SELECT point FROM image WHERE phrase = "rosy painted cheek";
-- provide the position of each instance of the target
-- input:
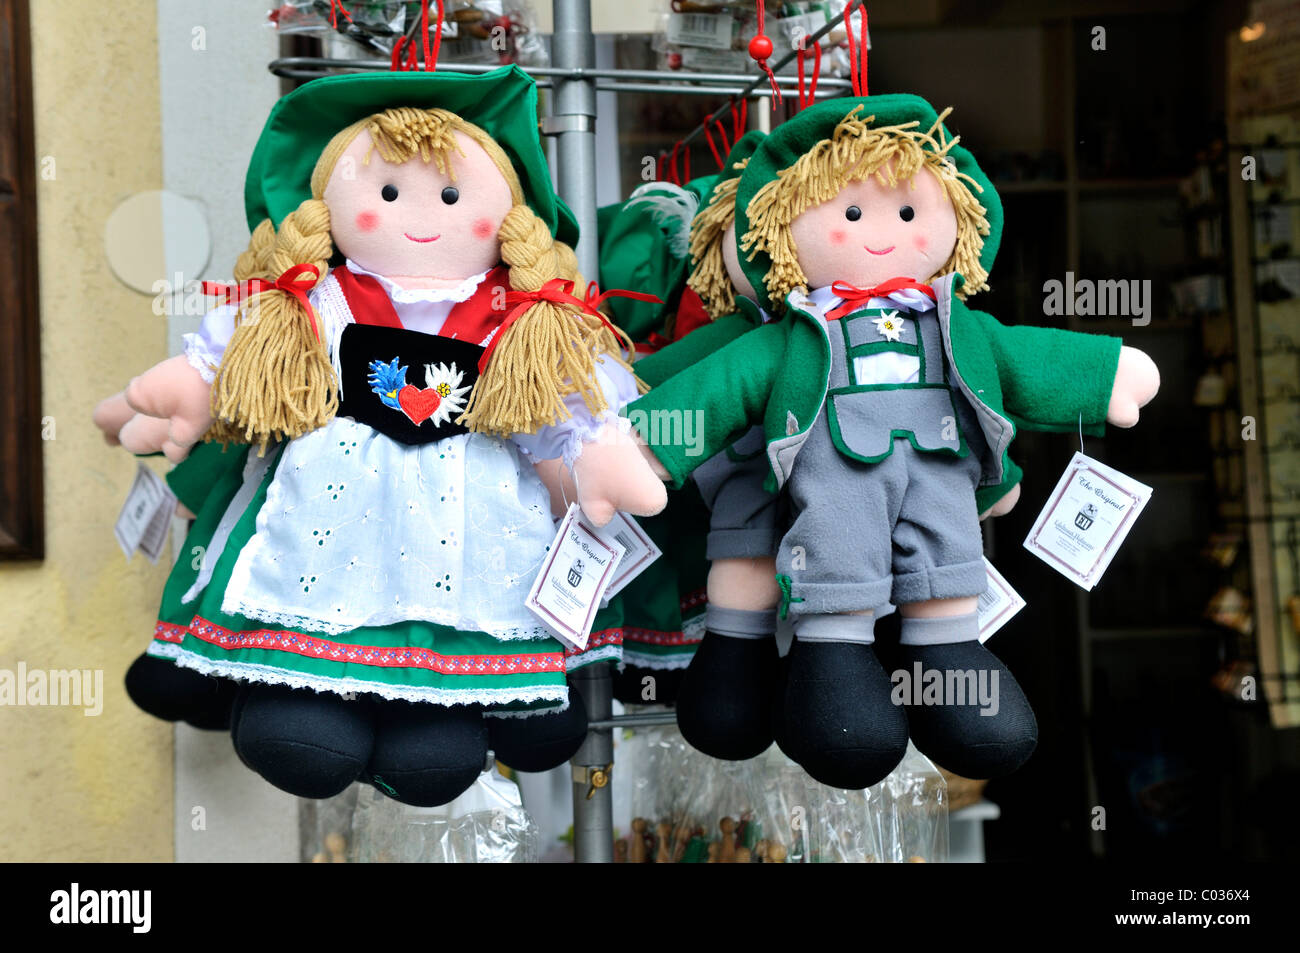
(921, 243)
(837, 237)
(483, 229)
(367, 221)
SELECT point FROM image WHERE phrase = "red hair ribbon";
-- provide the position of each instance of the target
(855, 298)
(807, 100)
(291, 283)
(557, 291)
(857, 70)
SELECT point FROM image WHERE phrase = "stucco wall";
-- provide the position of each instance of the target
(77, 787)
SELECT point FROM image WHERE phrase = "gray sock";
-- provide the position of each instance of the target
(942, 630)
(836, 627)
(741, 623)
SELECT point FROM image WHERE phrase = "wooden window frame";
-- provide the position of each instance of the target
(22, 522)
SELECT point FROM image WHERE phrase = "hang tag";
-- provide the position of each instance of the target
(639, 552)
(146, 515)
(997, 604)
(578, 569)
(1086, 519)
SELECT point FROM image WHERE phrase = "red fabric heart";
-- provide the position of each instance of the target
(417, 404)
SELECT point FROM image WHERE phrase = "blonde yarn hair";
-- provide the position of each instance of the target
(709, 278)
(853, 152)
(275, 380)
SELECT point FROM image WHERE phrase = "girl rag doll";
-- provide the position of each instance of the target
(402, 347)
(887, 405)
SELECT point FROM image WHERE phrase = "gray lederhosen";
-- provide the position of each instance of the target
(742, 515)
(838, 551)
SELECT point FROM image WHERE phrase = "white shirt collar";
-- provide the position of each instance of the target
(461, 292)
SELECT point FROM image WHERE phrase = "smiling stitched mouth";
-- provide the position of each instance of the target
(421, 240)
(874, 252)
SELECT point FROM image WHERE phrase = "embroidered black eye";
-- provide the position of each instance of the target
(450, 194)
(907, 213)
(388, 193)
(853, 213)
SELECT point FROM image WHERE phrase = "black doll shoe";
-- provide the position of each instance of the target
(841, 725)
(539, 742)
(958, 736)
(311, 744)
(724, 707)
(165, 690)
(635, 685)
(425, 754)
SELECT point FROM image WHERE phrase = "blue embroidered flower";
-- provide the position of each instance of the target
(386, 380)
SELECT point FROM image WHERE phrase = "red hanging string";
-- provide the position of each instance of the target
(405, 56)
(661, 168)
(686, 164)
(336, 7)
(760, 49)
(807, 100)
(738, 118)
(708, 137)
(857, 70)
(673, 177)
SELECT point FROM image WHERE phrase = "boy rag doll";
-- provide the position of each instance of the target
(887, 406)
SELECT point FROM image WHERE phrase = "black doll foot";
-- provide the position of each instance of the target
(165, 690)
(311, 744)
(990, 732)
(841, 725)
(636, 685)
(539, 742)
(724, 707)
(425, 754)
(780, 733)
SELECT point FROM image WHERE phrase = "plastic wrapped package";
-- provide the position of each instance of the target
(705, 36)
(485, 825)
(325, 827)
(904, 818)
(474, 31)
(689, 808)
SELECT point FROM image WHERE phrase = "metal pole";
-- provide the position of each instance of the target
(573, 120)
(593, 806)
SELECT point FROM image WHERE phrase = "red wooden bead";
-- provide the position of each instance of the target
(760, 48)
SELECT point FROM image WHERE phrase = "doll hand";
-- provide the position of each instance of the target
(1005, 505)
(111, 415)
(114, 416)
(612, 475)
(176, 393)
(1136, 381)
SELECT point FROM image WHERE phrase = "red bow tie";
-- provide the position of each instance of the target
(856, 298)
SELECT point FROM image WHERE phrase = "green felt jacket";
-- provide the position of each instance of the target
(778, 375)
(656, 368)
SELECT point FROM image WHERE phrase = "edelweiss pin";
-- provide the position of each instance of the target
(889, 325)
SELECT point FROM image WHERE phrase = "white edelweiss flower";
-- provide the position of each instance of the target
(446, 381)
(890, 325)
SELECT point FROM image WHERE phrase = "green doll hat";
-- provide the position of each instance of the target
(798, 134)
(502, 102)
